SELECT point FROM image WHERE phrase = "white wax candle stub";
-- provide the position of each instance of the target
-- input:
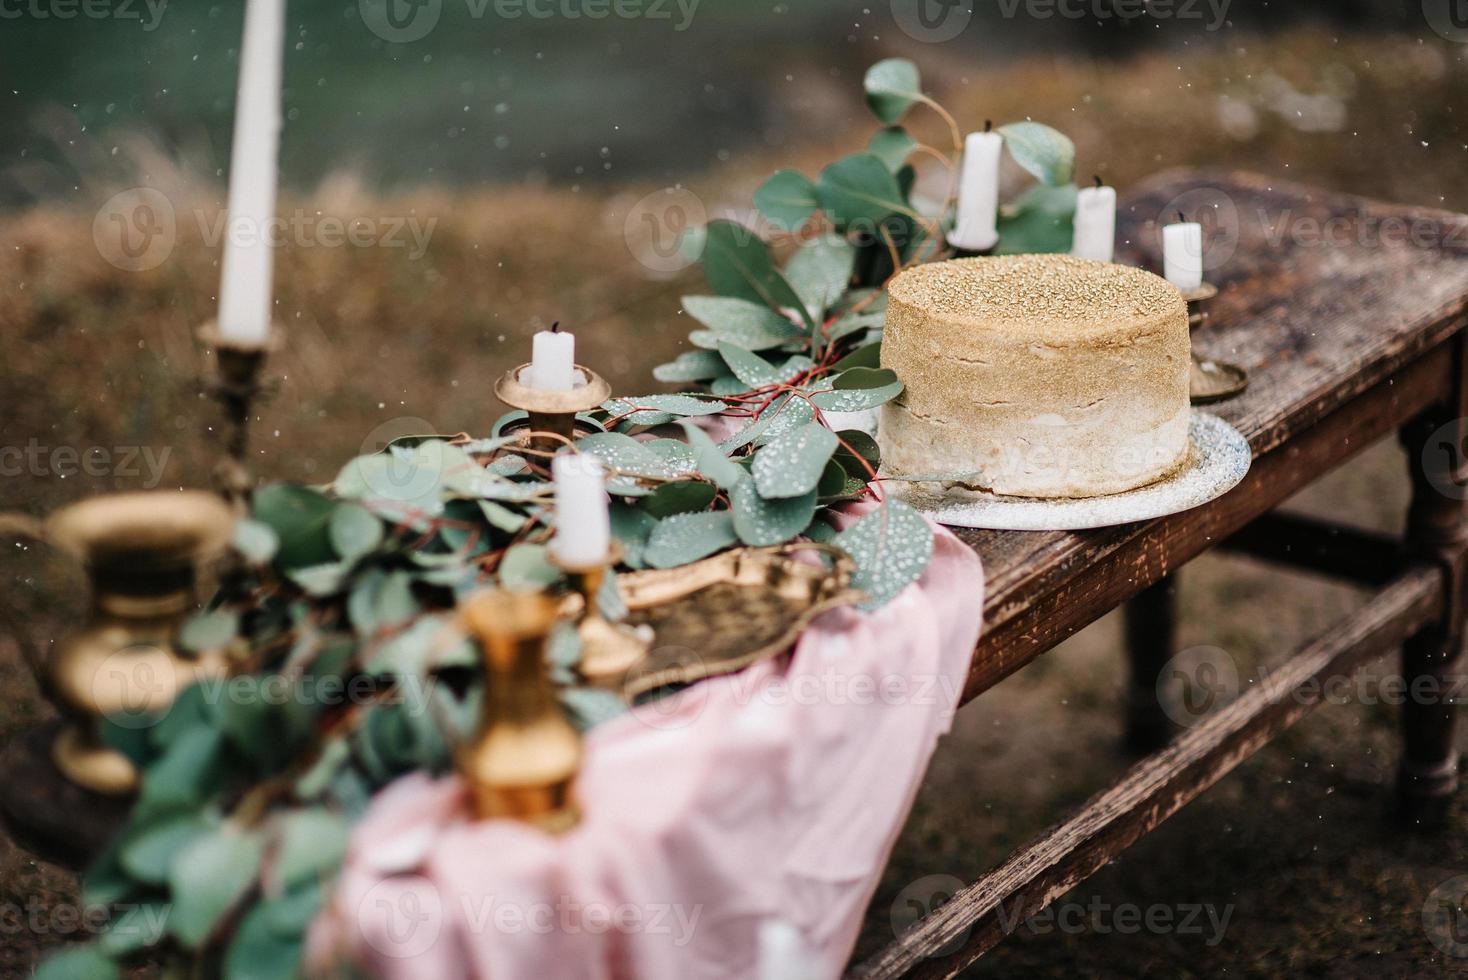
(1182, 255)
(1095, 224)
(553, 361)
(976, 228)
(583, 520)
(245, 288)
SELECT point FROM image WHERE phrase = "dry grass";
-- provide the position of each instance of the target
(100, 357)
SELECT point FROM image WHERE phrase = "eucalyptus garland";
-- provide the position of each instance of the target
(349, 672)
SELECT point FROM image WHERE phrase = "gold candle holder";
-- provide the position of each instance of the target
(142, 552)
(236, 385)
(552, 421)
(1210, 381)
(522, 764)
(609, 651)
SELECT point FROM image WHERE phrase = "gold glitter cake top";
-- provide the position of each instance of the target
(1051, 296)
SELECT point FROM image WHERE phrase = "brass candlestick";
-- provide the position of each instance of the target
(522, 765)
(142, 552)
(552, 413)
(235, 386)
(1210, 381)
(608, 650)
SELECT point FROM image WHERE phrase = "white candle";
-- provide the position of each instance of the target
(583, 524)
(1182, 255)
(976, 229)
(1095, 224)
(245, 297)
(553, 361)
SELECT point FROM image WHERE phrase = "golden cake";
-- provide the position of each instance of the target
(1036, 376)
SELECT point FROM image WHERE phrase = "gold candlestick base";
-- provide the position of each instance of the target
(1210, 381)
(142, 552)
(236, 385)
(523, 763)
(609, 651)
(552, 421)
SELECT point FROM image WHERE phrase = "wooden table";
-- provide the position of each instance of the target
(1348, 315)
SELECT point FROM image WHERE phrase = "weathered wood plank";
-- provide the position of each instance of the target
(981, 915)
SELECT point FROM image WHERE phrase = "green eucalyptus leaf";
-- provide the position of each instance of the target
(859, 454)
(679, 498)
(632, 526)
(289, 916)
(710, 459)
(675, 454)
(790, 465)
(859, 389)
(255, 541)
(892, 86)
(834, 481)
(891, 547)
(185, 775)
(744, 324)
(312, 845)
(727, 385)
(208, 631)
(258, 952)
(686, 538)
(760, 522)
(1042, 219)
(587, 707)
(211, 874)
(299, 517)
(860, 191)
(788, 411)
(139, 926)
(624, 453)
(322, 580)
(820, 271)
(405, 477)
(867, 356)
(77, 963)
(693, 365)
(1044, 152)
(850, 323)
(502, 518)
(335, 754)
(787, 199)
(892, 146)
(354, 531)
(658, 409)
(148, 848)
(750, 368)
(528, 566)
(736, 262)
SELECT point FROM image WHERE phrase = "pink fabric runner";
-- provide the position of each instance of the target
(777, 792)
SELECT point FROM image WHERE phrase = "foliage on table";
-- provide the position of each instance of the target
(350, 671)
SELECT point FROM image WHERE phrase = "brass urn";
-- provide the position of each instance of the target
(142, 552)
(523, 762)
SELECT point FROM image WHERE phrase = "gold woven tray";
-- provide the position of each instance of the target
(724, 613)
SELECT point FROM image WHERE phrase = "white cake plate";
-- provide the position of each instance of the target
(1219, 459)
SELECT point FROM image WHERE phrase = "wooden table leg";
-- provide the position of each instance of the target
(1151, 629)
(1432, 660)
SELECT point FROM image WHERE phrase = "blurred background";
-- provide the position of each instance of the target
(509, 163)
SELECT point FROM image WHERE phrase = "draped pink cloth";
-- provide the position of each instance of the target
(775, 793)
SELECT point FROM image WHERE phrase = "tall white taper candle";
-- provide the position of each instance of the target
(976, 228)
(1182, 255)
(1095, 224)
(245, 295)
(583, 522)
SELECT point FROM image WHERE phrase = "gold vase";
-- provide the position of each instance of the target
(522, 764)
(142, 552)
